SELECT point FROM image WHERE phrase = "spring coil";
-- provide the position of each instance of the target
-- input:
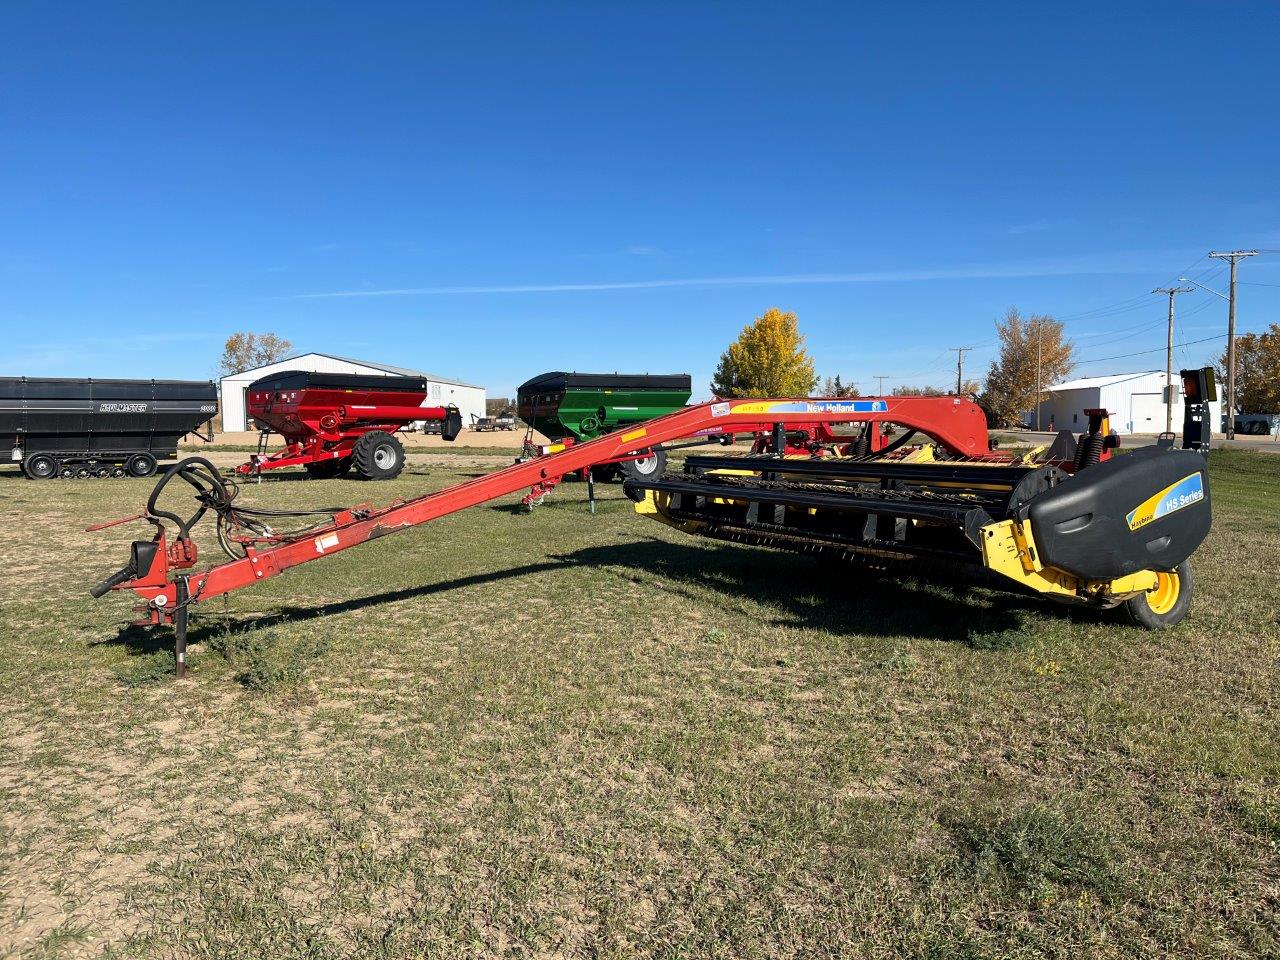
(1089, 449)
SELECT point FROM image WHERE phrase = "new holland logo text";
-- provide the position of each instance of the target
(119, 407)
(812, 406)
(1184, 493)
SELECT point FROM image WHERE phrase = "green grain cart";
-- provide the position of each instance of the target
(586, 405)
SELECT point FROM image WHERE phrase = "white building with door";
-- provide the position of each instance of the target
(1135, 402)
(467, 397)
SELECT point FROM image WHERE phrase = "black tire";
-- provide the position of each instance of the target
(328, 469)
(378, 456)
(1168, 604)
(40, 466)
(140, 465)
(650, 468)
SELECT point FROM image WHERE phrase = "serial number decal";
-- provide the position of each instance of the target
(1187, 491)
(119, 407)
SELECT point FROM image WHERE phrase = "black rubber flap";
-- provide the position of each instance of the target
(1146, 510)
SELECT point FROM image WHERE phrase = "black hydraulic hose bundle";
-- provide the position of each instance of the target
(218, 493)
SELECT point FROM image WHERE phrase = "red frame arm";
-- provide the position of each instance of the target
(955, 422)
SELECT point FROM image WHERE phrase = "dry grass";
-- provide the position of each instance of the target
(565, 735)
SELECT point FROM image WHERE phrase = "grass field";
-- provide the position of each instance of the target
(564, 735)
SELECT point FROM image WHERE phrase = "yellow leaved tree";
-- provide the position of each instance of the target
(245, 351)
(1033, 351)
(767, 360)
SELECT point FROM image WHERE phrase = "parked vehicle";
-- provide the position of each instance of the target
(1258, 424)
(576, 407)
(58, 427)
(334, 422)
(503, 421)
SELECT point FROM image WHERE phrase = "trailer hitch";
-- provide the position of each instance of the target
(241, 530)
(211, 493)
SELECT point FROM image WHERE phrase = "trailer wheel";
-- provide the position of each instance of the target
(40, 466)
(654, 465)
(140, 465)
(1167, 604)
(378, 456)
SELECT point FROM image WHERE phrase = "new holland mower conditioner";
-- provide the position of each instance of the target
(1073, 523)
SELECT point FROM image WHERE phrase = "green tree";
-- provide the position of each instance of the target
(835, 387)
(1257, 372)
(906, 391)
(767, 360)
(244, 351)
(1032, 349)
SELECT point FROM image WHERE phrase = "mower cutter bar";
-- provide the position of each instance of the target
(915, 504)
(967, 473)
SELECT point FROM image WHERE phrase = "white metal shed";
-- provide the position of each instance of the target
(467, 397)
(1135, 402)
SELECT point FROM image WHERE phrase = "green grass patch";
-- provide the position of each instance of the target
(559, 734)
(1039, 854)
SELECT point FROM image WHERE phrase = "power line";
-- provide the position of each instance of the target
(1139, 353)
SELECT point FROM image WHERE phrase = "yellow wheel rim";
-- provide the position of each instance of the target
(1164, 594)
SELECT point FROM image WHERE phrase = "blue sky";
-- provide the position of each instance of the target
(489, 191)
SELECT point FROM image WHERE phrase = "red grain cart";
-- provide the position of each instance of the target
(335, 422)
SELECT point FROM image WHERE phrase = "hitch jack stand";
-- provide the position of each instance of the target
(180, 622)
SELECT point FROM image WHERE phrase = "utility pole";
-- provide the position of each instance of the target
(960, 352)
(882, 377)
(1233, 256)
(1168, 356)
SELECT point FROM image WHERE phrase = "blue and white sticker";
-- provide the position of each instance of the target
(1177, 496)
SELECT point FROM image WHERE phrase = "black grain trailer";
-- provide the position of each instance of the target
(59, 427)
